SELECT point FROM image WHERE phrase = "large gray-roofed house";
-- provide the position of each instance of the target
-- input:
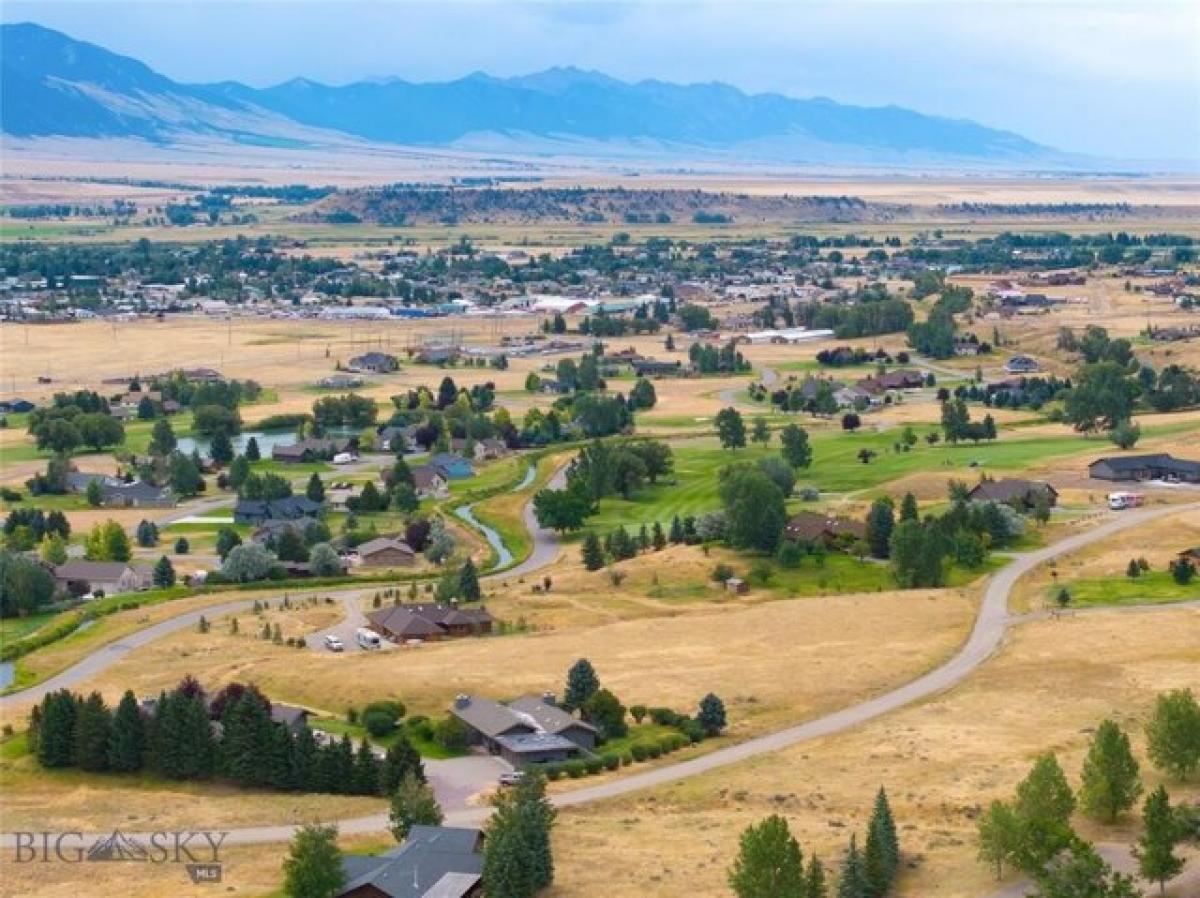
(110, 576)
(1159, 466)
(529, 730)
(433, 862)
(1014, 490)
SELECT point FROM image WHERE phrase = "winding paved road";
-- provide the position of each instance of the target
(991, 624)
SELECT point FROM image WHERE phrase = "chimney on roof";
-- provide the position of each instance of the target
(462, 700)
(549, 699)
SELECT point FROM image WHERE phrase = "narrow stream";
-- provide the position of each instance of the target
(503, 556)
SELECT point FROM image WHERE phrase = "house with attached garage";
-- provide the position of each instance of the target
(386, 552)
(1159, 466)
(433, 862)
(290, 508)
(429, 481)
(431, 622)
(1014, 491)
(530, 730)
(110, 577)
(374, 363)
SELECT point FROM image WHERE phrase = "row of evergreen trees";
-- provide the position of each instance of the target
(770, 863)
(185, 737)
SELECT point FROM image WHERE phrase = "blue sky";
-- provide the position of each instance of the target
(1118, 79)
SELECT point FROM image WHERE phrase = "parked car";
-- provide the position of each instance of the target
(512, 778)
(333, 642)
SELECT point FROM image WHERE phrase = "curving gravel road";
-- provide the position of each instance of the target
(988, 632)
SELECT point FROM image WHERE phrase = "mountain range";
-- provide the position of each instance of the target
(55, 86)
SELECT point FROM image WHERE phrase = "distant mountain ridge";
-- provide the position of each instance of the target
(54, 85)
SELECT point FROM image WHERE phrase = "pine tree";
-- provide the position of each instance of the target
(908, 508)
(93, 725)
(769, 863)
(676, 532)
(197, 748)
(853, 883)
(536, 818)
(657, 538)
(468, 582)
(711, 715)
(365, 779)
(1155, 850)
(56, 732)
(401, 760)
(315, 489)
(164, 572)
(505, 863)
(643, 539)
(1111, 783)
(413, 804)
(253, 453)
(582, 684)
(814, 881)
(302, 763)
(592, 552)
(277, 757)
(313, 867)
(881, 853)
(127, 741)
(343, 766)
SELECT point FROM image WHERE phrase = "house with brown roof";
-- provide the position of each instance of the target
(386, 552)
(903, 379)
(428, 481)
(1014, 491)
(813, 526)
(430, 622)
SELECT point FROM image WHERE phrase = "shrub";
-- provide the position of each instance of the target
(451, 733)
(638, 751)
(611, 762)
(575, 768)
(692, 730)
(652, 750)
(721, 573)
(626, 758)
(667, 744)
(553, 771)
(593, 765)
(378, 722)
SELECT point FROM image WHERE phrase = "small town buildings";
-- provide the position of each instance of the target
(813, 526)
(1159, 466)
(430, 621)
(530, 730)
(374, 363)
(111, 577)
(433, 862)
(384, 552)
(1014, 491)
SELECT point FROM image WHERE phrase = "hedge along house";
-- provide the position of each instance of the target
(530, 730)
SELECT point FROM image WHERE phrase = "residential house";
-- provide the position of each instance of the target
(656, 368)
(430, 621)
(812, 527)
(16, 406)
(290, 716)
(340, 382)
(490, 449)
(374, 363)
(311, 449)
(255, 511)
(111, 577)
(1159, 466)
(433, 862)
(904, 379)
(429, 481)
(1022, 364)
(392, 438)
(531, 730)
(386, 552)
(269, 530)
(452, 466)
(138, 494)
(1014, 491)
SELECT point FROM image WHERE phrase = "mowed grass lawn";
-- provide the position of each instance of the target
(836, 468)
(1151, 587)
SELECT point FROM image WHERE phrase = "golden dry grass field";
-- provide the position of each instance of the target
(941, 761)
